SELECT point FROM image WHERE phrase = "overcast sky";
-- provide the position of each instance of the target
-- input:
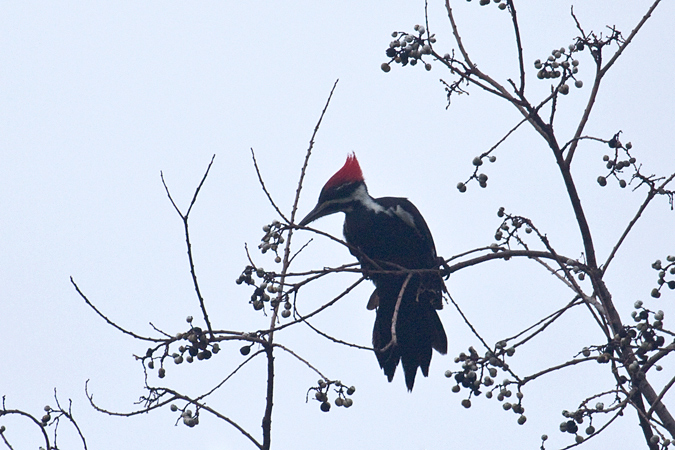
(98, 97)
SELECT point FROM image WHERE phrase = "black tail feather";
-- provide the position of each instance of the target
(418, 331)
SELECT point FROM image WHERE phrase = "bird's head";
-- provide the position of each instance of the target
(339, 192)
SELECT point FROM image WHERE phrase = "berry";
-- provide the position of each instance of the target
(325, 406)
(602, 181)
(571, 426)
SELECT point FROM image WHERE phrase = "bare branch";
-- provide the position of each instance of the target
(262, 185)
(650, 195)
(110, 322)
(301, 359)
(599, 74)
(519, 45)
(336, 340)
(569, 363)
(184, 218)
(468, 323)
(394, 319)
(7, 412)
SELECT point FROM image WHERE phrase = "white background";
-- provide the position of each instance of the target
(97, 98)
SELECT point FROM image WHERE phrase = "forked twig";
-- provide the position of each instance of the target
(185, 217)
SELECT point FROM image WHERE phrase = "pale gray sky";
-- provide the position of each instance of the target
(98, 97)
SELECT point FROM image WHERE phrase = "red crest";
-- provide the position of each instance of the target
(349, 173)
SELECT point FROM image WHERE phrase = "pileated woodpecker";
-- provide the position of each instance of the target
(390, 239)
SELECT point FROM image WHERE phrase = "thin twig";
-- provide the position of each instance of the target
(546, 322)
(336, 340)
(597, 432)
(394, 318)
(4, 412)
(110, 322)
(231, 374)
(301, 359)
(660, 396)
(262, 185)
(572, 362)
(184, 218)
(69, 416)
(466, 320)
(158, 404)
(650, 196)
(600, 73)
(519, 45)
(267, 417)
(313, 313)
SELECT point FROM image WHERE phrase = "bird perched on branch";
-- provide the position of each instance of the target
(393, 243)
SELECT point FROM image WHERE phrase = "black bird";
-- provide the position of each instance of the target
(389, 237)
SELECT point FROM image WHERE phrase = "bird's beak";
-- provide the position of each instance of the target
(320, 210)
